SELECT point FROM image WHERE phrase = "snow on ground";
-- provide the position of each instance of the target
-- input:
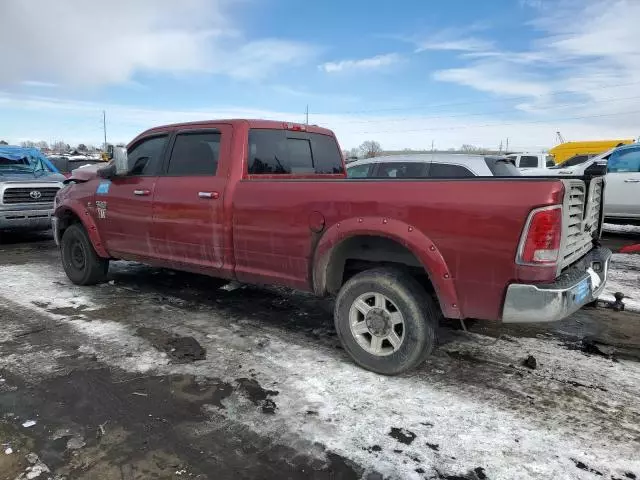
(613, 228)
(484, 412)
(624, 276)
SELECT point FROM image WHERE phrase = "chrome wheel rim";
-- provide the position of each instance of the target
(376, 324)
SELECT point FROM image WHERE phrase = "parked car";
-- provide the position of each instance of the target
(28, 185)
(66, 164)
(439, 165)
(622, 195)
(264, 202)
(525, 161)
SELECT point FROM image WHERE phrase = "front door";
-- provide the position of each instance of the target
(188, 204)
(124, 205)
(622, 192)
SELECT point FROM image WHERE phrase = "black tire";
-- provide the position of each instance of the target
(80, 261)
(418, 310)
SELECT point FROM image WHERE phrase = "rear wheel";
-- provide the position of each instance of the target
(385, 320)
(80, 261)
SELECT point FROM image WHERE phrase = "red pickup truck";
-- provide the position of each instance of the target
(267, 202)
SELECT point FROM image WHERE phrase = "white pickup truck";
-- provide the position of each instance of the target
(528, 160)
(622, 195)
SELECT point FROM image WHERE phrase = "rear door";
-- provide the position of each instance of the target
(622, 193)
(188, 205)
(275, 220)
(123, 205)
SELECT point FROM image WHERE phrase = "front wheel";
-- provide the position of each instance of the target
(385, 320)
(80, 261)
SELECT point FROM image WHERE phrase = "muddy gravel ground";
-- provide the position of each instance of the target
(159, 374)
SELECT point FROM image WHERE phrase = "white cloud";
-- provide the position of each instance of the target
(584, 52)
(38, 84)
(76, 42)
(494, 78)
(379, 61)
(468, 44)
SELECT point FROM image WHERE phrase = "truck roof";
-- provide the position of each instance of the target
(252, 123)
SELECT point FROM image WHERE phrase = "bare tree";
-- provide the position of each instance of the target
(60, 147)
(370, 149)
(42, 145)
(466, 148)
(27, 144)
(82, 147)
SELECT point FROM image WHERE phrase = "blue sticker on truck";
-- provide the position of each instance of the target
(103, 188)
(582, 291)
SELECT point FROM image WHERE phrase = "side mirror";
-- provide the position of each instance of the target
(596, 169)
(109, 152)
(107, 172)
(120, 160)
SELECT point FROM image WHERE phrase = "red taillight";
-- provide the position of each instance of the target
(540, 244)
(295, 127)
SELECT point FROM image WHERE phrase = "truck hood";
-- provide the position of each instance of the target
(23, 177)
(84, 174)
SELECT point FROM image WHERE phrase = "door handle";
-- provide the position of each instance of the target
(212, 195)
(631, 180)
(142, 193)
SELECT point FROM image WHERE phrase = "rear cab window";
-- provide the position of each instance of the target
(502, 167)
(286, 152)
(528, 161)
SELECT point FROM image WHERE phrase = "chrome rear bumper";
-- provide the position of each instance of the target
(575, 287)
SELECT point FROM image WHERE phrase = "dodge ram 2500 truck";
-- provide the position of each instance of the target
(266, 202)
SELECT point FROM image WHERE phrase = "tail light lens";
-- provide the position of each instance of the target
(540, 243)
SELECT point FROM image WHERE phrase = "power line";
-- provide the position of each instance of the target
(499, 124)
(458, 115)
(473, 102)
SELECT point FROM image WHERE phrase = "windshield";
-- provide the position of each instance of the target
(24, 164)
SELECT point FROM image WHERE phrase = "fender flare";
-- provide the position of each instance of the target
(79, 210)
(406, 235)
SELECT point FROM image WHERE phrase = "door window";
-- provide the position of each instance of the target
(144, 158)
(195, 154)
(401, 170)
(361, 171)
(528, 161)
(446, 170)
(625, 161)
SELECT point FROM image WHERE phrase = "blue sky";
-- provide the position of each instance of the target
(405, 73)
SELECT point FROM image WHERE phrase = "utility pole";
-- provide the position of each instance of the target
(431, 146)
(104, 127)
(506, 150)
(500, 146)
(307, 115)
